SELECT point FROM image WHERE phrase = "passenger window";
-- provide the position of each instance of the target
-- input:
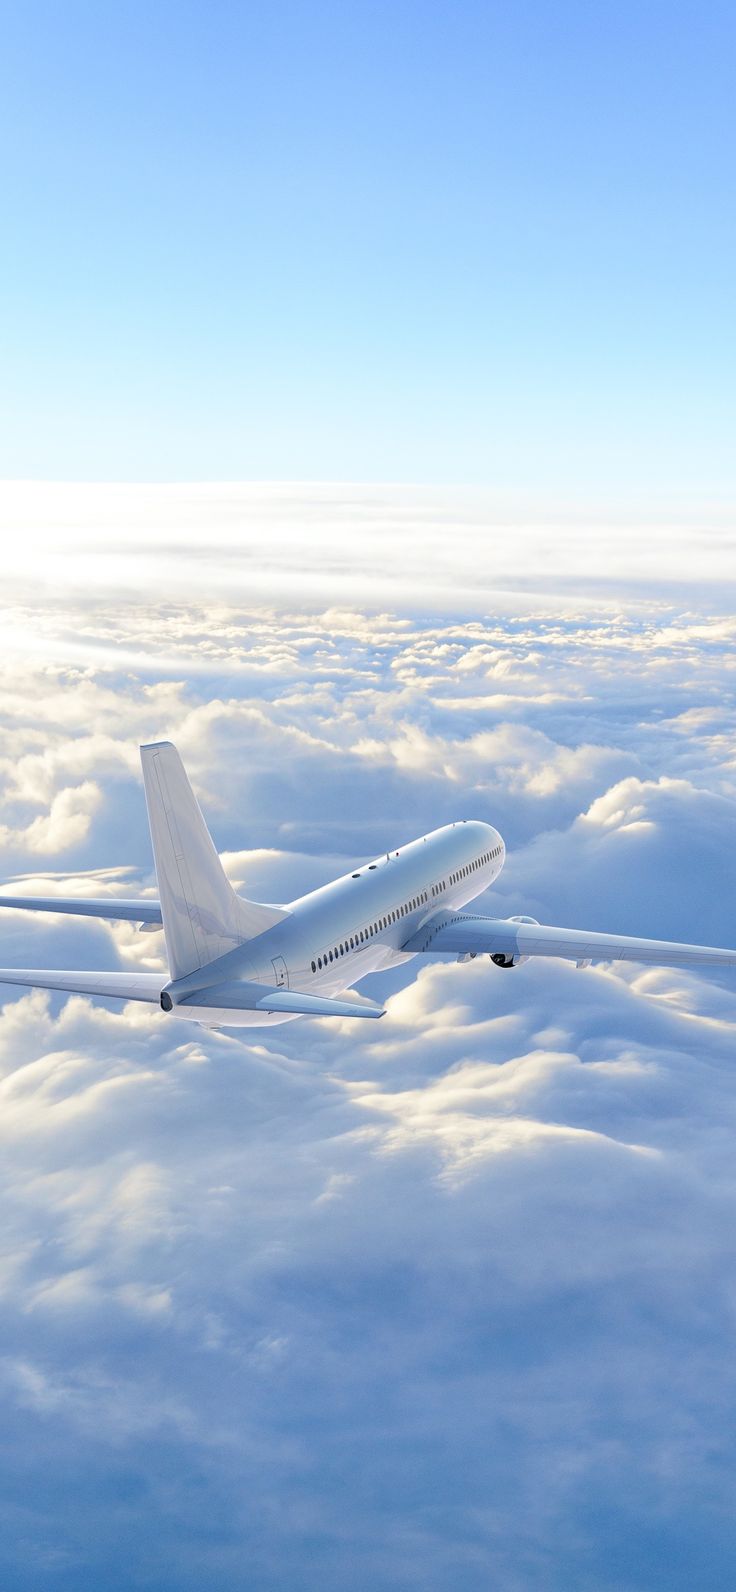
(330, 956)
(314, 967)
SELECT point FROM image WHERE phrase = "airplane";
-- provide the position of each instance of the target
(239, 963)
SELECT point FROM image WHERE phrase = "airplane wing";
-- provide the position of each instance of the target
(512, 939)
(148, 911)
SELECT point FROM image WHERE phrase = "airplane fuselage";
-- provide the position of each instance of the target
(357, 925)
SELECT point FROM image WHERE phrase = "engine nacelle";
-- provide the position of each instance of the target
(500, 960)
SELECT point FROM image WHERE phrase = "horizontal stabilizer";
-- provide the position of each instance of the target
(119, 986)
(252, 997)
(90, 907)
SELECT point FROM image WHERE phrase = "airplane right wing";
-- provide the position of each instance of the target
(510, 939)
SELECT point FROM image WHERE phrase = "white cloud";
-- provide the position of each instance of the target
(377, 1291)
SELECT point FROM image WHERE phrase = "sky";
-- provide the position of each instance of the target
(366, 418)
(371, 242)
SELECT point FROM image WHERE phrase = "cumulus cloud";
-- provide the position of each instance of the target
(445, 1300)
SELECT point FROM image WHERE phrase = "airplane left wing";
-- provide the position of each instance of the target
(513, 939)
(148, 911)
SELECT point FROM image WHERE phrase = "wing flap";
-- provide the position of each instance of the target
(118, 986)
(502, 936)
(249, 996)
(89, 907)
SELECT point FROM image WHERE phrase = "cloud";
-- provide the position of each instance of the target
(316, 544)
(447, 1302)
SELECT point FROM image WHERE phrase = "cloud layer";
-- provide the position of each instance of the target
(445, 1304)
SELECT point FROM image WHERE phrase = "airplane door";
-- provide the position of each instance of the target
(281, 971)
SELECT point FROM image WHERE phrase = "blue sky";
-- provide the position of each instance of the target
(403, 242)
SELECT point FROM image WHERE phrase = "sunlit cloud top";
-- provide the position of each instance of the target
(392, 548)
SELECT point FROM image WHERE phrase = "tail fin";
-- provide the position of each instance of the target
(202, 916)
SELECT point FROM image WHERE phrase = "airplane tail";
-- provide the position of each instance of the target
(203, 918)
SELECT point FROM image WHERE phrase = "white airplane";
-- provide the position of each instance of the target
(237, 963)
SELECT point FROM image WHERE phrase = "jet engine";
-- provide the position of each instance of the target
(501, 960)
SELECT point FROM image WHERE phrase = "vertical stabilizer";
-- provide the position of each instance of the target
(203, 917)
